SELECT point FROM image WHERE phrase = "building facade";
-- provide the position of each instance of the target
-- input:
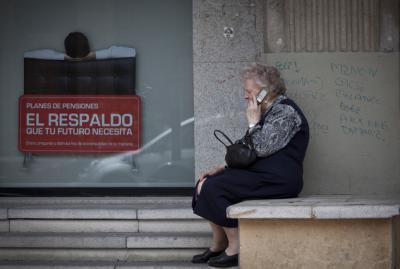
(339, 59)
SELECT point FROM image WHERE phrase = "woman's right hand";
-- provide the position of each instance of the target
(253, 111)
(212, 172)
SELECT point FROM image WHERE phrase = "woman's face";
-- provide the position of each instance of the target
(251, 88)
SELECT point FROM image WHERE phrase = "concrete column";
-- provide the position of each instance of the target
(218, 59)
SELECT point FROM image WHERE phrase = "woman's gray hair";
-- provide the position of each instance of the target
(265, 76)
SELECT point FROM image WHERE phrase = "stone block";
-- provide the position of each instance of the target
(318, 207)
(166, 213)
(354, 211)
(129, 226)
(274, 212)
(3, 213)
(30, 201)
(57, 265)
(4, 226)
(169, 240)
(316, 244)
(375, 199)
(49, 254)
(63, 240)
(161, 265)
(67, 212)
(194, 226)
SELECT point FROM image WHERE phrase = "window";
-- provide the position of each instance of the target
(160, 32)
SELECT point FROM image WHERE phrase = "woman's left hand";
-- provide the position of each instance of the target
(253, 111)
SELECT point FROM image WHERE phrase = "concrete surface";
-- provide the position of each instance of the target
(217, 61)
(9, 201)
(65, 254)
(169, 240)
(3, 213)
(100, 265)
(193, 226)
(80, 212)
(104, 240)
(57, 225)
(63, 240)
(158, 212)
(316, 244)
(318, 207)
(4, 226)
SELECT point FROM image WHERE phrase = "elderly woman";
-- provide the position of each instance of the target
(279, 133)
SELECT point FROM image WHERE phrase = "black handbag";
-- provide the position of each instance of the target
(238, 155)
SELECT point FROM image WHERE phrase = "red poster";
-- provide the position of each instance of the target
(65, 123)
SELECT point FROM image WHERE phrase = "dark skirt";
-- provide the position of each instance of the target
(232, 186)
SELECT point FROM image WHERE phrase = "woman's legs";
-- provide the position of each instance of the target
(233, 239)
(223, 237)
(220, 241)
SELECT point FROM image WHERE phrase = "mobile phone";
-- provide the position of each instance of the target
(260, 97)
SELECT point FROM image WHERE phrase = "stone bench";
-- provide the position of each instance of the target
(319, 231)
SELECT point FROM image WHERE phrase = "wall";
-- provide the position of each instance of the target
(351, 101)
(219, 100)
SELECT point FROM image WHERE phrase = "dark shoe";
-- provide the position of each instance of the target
(224, 260)
(204, 257)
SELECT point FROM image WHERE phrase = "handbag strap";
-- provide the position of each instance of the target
(226, 137)
(248, 140)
